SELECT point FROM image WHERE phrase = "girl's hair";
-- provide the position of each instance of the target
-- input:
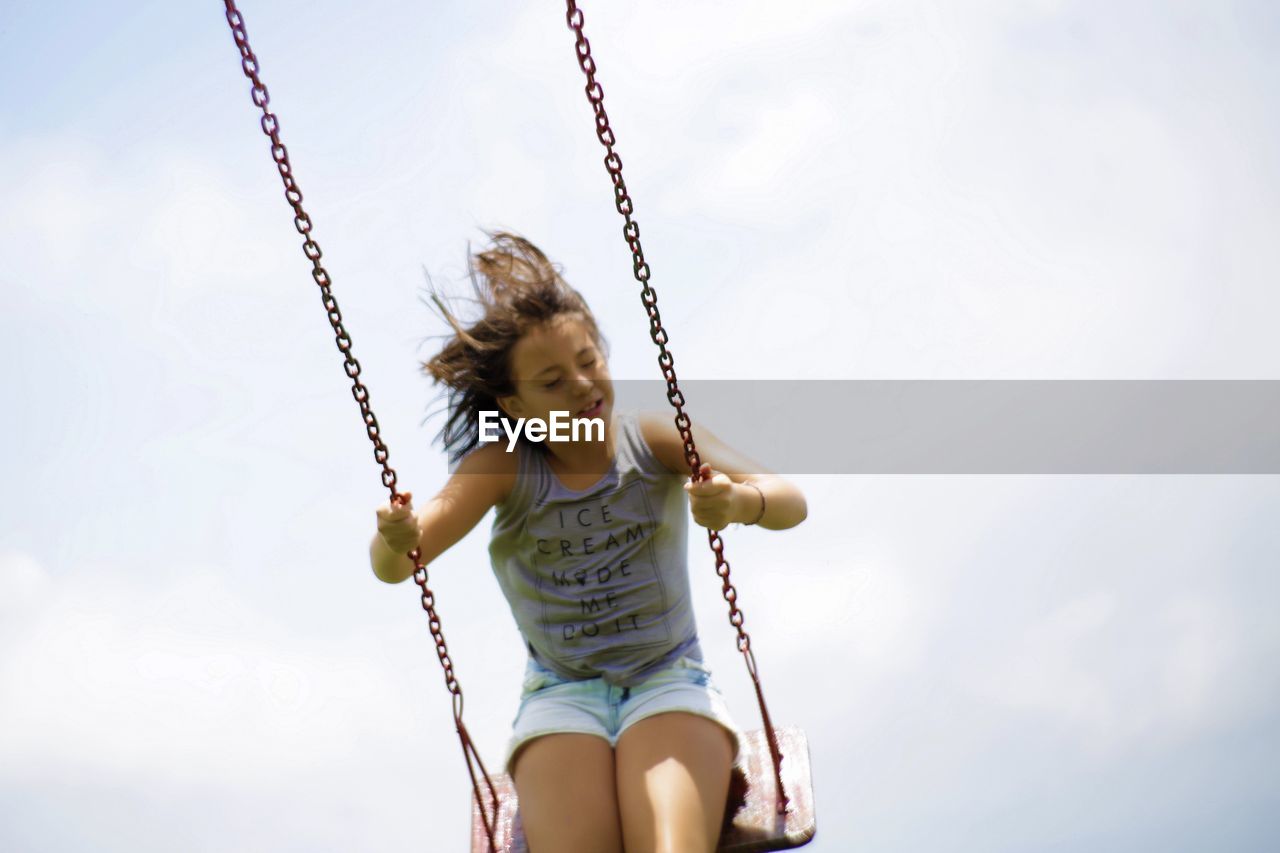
(518, 290)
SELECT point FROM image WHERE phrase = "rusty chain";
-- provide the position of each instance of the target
(640, 268)
(302, 222)
(631, 233)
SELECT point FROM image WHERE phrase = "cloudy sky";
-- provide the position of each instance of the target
(194, 654)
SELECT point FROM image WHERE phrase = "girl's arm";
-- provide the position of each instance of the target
(482, 479)
(785, 505)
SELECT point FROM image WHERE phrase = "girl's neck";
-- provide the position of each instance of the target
(585, 461)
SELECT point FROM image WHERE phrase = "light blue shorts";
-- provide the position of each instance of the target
(550, 704)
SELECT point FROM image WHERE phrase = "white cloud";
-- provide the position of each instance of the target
(178, 679)
(25, 585)
(869, 614)
(1119, 672)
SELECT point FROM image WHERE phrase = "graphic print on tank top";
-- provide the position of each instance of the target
(597, 578)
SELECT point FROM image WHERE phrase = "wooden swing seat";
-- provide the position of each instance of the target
(756, 825)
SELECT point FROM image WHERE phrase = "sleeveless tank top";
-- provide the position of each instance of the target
(597, 579)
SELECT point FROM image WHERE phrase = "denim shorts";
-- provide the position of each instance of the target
(550, 704)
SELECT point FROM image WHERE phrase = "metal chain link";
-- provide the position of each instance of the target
(302, 221)
(631, 233)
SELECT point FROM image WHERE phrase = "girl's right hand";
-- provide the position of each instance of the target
(398, 525)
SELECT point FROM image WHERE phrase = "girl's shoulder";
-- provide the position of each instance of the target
(658, 429)
(494, 469)
(660, 433)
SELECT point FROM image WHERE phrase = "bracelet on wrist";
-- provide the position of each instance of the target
(762, 502)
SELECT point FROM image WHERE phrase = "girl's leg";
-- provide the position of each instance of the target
(568, 802)
(673, 779)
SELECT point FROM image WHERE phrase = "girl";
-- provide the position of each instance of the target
(621, 739)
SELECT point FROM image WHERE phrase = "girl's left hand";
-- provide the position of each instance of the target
(713, 500)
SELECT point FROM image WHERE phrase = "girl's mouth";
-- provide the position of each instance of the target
(593, 411)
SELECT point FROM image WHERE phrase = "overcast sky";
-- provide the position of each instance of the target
(194, 654)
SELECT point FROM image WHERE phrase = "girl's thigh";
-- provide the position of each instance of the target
(672, 782)
(568, 798)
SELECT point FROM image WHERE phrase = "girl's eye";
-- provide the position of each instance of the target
(556, 382)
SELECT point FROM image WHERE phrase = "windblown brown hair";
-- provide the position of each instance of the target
(518, 290)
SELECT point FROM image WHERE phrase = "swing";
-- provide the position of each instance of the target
(770, 803)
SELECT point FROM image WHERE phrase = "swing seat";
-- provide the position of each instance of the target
(755, 825)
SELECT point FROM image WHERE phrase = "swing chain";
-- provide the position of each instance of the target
(649, 296)
(302, 222)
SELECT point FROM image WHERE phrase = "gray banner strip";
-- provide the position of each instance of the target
(921, 426)
(986, 426)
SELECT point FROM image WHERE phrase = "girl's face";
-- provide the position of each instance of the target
(558, 367)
